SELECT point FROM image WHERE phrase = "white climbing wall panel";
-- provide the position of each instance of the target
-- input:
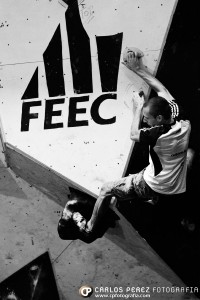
(92, 153)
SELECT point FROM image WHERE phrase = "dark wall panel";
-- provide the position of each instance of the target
(53, 62)
(32, 88)
(109, 51)
(79, 47)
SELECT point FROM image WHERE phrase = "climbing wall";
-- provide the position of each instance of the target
(66, 99)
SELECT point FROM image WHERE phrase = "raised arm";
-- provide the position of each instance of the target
(133, 61)
(138, 101)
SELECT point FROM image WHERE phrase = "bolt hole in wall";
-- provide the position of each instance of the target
(179, 71)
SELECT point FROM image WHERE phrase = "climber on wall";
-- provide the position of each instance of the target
(168, 140)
